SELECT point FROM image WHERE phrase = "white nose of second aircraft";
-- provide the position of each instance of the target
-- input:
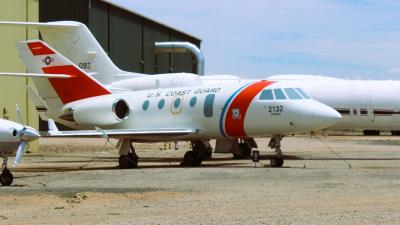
(313, 115)
(325, 116)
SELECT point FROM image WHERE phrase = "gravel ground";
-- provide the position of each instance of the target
(334, 180)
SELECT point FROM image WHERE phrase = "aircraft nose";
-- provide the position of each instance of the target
(325, 116)
(29, 134)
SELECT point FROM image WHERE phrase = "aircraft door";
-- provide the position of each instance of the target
(176, 105)
(364, 111)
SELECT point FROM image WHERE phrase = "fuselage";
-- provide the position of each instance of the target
(216, 111)
(9, 139)
(363, 104)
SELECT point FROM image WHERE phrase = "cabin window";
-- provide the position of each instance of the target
(208, 105)
(161, 104)
(177, 102)
(145, 105)
(303, 93)
(279, 94)
(193, 101)
(292, 94)
(266, 95)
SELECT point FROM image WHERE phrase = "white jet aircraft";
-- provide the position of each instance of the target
(368, 105)
(195, 112)
(14, 138)
(75, 41)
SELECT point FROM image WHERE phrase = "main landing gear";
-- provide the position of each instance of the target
(128, 158)
(201, 150)
(275, 143)
(6, 177)
(243, 149)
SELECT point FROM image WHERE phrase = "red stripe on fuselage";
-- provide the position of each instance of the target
(79, 86)
(236, 114)
(38, 48)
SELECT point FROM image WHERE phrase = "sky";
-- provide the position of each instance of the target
(355, 39)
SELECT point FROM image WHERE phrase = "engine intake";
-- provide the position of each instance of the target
(101, 112)
(121, 109)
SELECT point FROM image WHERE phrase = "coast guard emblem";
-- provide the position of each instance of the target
(236, 114)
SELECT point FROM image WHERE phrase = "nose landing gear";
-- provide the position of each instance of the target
(6, 177)
(275, 143)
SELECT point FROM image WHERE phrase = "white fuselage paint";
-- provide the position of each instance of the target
(296, 115)
(9, 138)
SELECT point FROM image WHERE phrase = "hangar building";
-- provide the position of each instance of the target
(126, 36)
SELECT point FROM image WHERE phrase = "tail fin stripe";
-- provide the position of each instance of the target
(38, 48)
(79, 86)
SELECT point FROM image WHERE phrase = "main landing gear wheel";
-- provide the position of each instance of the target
(244, 151)
(275, 143)
(192, 159)
(6, 177)
(128, 158)
(201, 150)
(128, 161)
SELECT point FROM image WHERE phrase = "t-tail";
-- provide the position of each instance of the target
(75, 41)
(40, 58)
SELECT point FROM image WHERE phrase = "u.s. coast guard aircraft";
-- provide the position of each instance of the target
(193, 112)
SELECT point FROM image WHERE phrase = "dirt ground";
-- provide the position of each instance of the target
(333, 180)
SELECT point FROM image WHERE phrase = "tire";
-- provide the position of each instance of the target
(6, 178)
(395, 132)
(276, 162)
(191, 159)
(371, 132)
(127, 162)
(244, 151)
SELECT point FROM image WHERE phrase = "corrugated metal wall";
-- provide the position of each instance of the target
(127, 37)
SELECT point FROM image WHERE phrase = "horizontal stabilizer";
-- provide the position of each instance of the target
(37, 75)
(60, 24)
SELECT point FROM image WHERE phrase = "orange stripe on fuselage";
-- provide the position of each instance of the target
(236, 114)
(79, 86)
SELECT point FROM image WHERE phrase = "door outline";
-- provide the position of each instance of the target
(363, 105)
(179, 109)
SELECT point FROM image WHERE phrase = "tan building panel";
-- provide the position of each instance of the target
(12, 90)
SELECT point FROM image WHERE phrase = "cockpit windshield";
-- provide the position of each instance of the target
(282, 94)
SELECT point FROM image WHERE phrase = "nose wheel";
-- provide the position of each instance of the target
(6, 177)
(275, 143)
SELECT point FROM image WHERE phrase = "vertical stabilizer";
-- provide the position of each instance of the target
(75, 41)
(41, 58)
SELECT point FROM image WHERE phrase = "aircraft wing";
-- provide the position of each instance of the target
(134, 134)
(148, 134)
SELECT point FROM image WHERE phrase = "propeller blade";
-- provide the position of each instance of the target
(19, 115)
(20, 153)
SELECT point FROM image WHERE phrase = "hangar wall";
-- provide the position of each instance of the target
(126, 36)
(12, 89)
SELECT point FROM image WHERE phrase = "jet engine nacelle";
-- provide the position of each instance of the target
(101, 112)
